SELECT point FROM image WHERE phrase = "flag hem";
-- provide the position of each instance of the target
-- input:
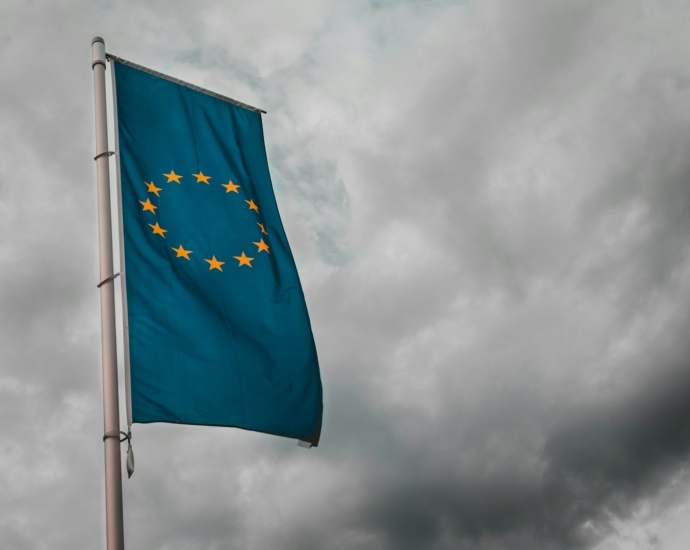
(111, 57)
(313, 441)
(123, 271)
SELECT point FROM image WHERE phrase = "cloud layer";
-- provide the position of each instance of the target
(488, 204)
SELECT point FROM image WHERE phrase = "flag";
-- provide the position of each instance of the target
(218, 327)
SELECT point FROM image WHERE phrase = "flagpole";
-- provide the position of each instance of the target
(111, 410)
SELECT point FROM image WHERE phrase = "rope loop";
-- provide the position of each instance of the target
(126, 436)
(112, 277)
(106, 153)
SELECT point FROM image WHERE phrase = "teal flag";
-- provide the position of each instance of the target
(219, 333)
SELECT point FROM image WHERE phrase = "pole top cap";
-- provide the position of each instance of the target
(97, 52)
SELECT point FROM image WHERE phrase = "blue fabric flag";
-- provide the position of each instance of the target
(218, 327)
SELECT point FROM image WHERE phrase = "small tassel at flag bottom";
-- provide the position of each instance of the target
(130, 459)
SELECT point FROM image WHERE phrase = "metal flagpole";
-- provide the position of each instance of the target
(111, 410)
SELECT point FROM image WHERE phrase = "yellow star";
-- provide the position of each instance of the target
(153, 188)
(231, 187)
(244, 260)
(262, 228)
(148, 205)
(200, 178)
(158, 230)
(172, 176)
(182, 253)
(252, 206)
(215, 264)
(262, 246)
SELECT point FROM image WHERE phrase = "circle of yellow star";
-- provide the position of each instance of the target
(244, 260)
(172, 176)
(231, 187)
(200, 178)
(262, 228)
(158, 230)
(148, 205)
(182, 253)
(152, 188)
(262, 246)
(214, 264)
(252, 206)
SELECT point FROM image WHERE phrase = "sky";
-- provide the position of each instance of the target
(488, 202)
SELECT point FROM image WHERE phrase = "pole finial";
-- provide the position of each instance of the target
(97, 52)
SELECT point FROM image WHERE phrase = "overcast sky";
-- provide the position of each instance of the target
(489, 206)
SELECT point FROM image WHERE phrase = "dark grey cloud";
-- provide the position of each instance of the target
(488, 203)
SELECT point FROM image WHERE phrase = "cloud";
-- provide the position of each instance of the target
(488, 205)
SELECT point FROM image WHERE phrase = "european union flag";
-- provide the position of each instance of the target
(218, 327)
